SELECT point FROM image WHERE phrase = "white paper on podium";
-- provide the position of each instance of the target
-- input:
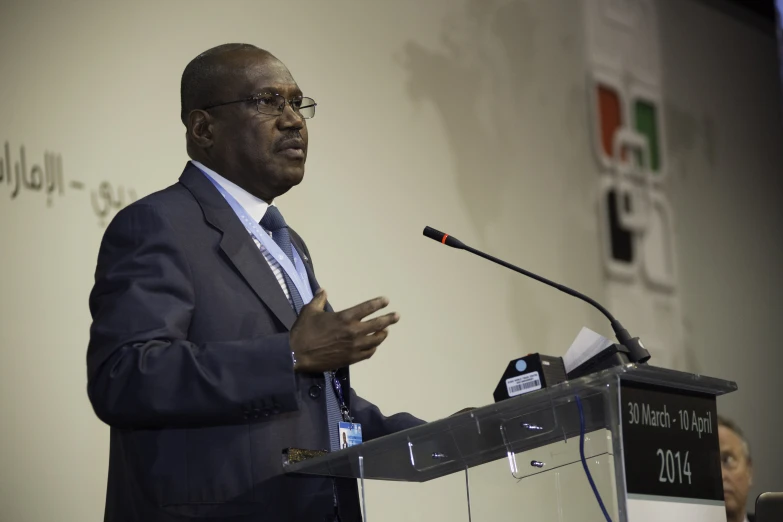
(587, 344)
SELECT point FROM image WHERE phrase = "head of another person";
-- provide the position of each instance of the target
(736, 466)
(245, 118)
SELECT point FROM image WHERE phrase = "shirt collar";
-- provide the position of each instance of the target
(255, 207)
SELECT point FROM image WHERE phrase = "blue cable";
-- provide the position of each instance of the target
(584, 462)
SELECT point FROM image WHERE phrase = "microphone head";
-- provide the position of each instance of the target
(442, 237)
(431, 233)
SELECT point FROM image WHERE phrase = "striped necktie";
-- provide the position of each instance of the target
(273, 222)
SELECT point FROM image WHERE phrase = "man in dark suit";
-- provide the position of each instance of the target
(209, 353)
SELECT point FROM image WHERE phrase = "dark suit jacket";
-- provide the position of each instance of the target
(189, 363)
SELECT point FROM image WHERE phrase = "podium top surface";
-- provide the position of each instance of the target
(495, 431)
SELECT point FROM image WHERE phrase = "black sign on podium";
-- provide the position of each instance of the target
(671, 442)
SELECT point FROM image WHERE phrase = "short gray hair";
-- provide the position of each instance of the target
(731, 425)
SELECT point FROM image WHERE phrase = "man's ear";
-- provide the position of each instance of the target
(200, 129)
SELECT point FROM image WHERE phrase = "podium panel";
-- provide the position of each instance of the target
(647, 436)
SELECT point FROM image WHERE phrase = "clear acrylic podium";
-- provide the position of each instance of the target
(539, 433)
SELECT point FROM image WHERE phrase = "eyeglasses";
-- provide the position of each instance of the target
(274, 104)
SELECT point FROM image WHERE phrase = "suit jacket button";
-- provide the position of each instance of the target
(315, 391)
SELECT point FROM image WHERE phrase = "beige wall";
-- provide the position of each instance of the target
(725, 121)
(401, 140)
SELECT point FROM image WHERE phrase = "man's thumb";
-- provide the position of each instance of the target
(319, 300)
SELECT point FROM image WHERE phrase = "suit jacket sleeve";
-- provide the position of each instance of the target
(374, 423)
(143, 372)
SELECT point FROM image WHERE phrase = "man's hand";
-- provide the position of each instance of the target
(323, 341)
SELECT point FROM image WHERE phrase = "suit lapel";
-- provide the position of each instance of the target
(238, 246)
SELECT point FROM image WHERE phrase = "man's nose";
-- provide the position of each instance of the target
(290, 118)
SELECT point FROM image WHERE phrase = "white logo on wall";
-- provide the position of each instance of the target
(46, 178)
(637, 226)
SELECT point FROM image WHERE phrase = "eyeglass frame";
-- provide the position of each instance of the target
(257, 97)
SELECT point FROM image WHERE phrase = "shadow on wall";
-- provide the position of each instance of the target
(478, 84)
(508, 83)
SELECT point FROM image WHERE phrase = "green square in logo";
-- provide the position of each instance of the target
(646, 117)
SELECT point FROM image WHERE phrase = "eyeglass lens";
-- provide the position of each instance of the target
(275, 104)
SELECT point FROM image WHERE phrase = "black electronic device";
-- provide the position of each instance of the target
(529, 373)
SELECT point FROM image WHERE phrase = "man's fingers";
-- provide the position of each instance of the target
(370, 342)
(378, 323)
(360, 311)
(364, 355)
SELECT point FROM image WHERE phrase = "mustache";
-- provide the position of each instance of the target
(290, 140)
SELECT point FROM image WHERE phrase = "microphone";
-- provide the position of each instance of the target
(636, 351)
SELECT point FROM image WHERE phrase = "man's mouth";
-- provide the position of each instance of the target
(293, 149)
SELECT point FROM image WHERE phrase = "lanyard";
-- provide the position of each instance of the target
(296, 271)
(338, 391)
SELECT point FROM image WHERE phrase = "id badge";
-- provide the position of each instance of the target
(350, 434)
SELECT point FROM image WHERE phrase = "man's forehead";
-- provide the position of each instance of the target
(727, 437)
(264, 71)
